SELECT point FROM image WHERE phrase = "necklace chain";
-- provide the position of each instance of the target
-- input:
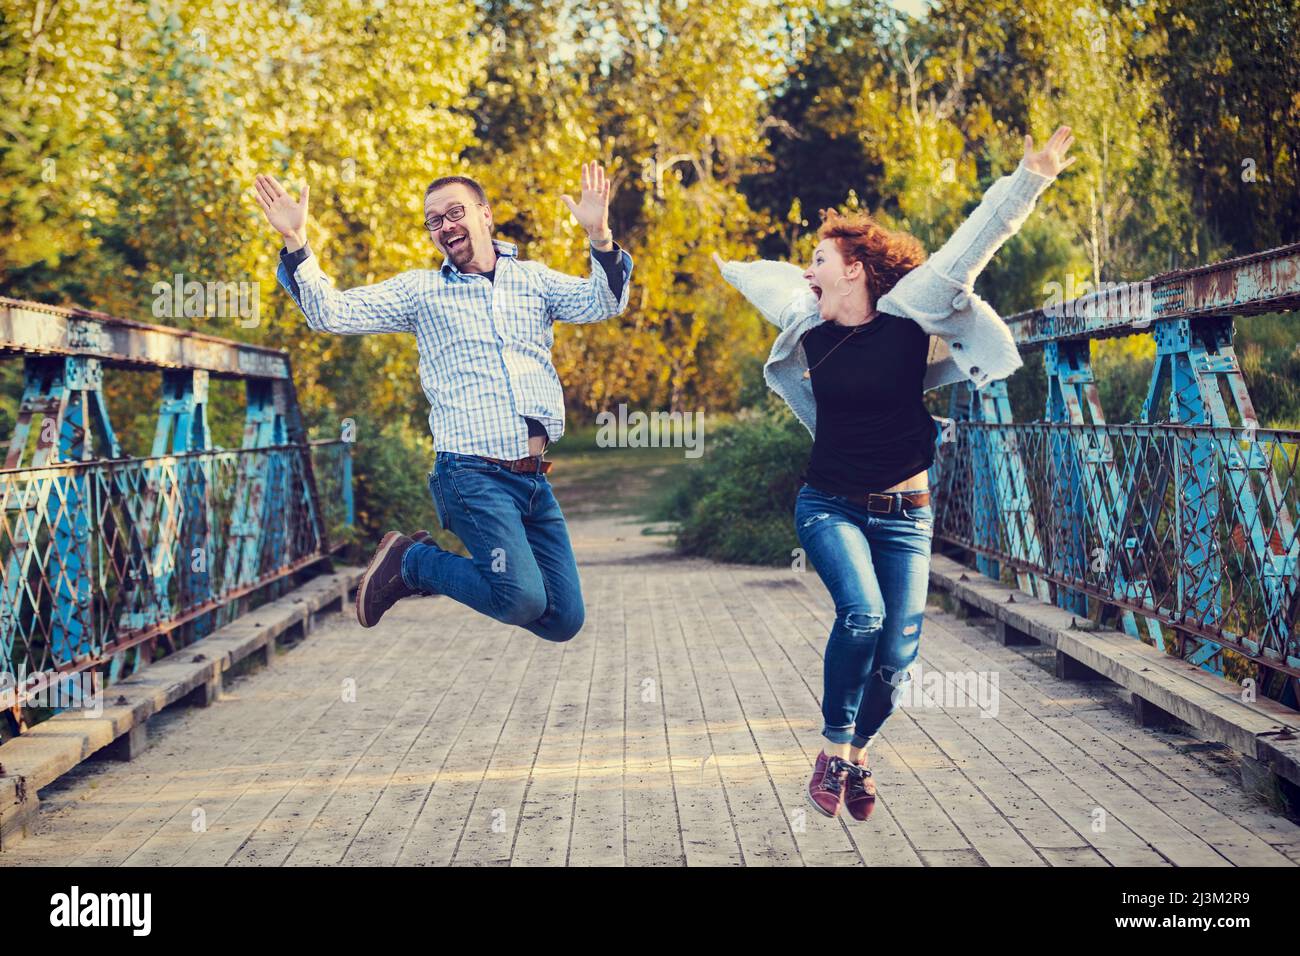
(808, 373)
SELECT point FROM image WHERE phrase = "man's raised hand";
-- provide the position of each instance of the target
(592, 212)
(287, 217)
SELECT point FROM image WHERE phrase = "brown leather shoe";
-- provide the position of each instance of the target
(860, 792)
(826, 788)
(382, 585)
(421, 535)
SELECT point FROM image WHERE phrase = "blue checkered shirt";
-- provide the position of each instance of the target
(485, 345)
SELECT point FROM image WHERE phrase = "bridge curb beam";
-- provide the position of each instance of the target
(193, 675)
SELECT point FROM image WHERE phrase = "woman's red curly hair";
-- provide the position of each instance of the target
(886, 255)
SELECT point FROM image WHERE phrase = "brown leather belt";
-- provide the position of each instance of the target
(532, 465)
(884, 501)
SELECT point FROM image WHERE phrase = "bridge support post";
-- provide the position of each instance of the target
(1008, 635)
(1067, 668)
(1196, 358)
(183, 427)
(1279, 793)
(1148, 714)
(207, 693)
(131, 744)
(63, 397)
(19, 807)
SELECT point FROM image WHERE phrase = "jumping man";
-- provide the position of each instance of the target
(483, 323)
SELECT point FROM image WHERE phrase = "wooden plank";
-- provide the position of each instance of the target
(678, 727)
(541, 836)
(653, 827)
(1211, 704)
(494, 817)
(444, 816)
(756, 811)
(1027, 765)
(597, 836)
(465, 660)
(785, 715)
(707, 832)
(55, 746)
(1091, 792)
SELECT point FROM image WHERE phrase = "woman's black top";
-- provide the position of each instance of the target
(873, 430)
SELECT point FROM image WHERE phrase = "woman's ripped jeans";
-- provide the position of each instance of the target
(876, 567)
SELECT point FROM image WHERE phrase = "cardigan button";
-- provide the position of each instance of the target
(974, 369)
(956, 346)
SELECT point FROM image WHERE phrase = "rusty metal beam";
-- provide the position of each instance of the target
(32, 328)
(1262, 282)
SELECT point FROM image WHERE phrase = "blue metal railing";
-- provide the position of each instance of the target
(107, 560)
(1182, 525)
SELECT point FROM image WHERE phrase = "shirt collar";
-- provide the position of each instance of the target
(502, 247)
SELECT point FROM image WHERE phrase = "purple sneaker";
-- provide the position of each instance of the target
(382, 585)
(860, 797)
(826, 788)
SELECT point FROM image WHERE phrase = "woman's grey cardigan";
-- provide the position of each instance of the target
(968, 339)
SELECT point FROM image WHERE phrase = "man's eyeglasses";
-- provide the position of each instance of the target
(455, 214)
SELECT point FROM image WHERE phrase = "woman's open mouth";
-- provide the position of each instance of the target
(817, 291)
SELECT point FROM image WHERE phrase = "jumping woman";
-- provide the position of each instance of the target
(853, 359)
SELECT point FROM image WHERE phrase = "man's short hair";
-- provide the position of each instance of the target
(441, 181)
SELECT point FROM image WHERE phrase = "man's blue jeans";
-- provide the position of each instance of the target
(876, 567)
(521, 570)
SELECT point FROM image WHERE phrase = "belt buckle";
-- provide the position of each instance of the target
(889, 502)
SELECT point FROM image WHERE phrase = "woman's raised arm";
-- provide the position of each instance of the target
(777, 289)
(1005, 207)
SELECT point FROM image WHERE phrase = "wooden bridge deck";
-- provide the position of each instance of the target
(678, 728)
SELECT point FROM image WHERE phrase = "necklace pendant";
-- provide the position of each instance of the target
(807, 373)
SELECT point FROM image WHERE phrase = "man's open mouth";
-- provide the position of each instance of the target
(454, 242)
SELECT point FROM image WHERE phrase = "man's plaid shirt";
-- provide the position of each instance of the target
(485, 344)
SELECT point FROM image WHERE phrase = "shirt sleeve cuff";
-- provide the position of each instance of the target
(608, 256)
(615, 269)
(294, 259)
